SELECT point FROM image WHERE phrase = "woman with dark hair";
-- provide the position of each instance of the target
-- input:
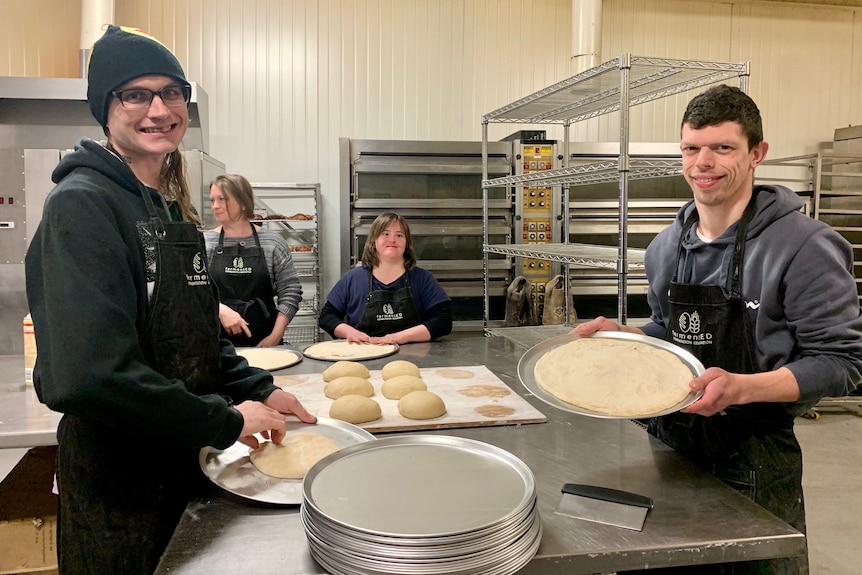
(387, 299)
(258, 285)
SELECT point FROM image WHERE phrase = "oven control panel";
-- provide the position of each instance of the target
(537, 213)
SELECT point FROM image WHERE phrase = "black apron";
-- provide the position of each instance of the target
(388, 311)
(750, 447)
(122, 493)
(245, 286)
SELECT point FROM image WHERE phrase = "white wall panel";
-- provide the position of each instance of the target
(804, 62)
(40, 38)
(287, 78)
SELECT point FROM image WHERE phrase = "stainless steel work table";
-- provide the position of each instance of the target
(696, 519)
(24, 422)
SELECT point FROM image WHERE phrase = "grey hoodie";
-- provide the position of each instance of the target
(798, 287)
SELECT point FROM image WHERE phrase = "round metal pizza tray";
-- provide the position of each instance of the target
(281, 357)
(435, 486)
(527, 366)
(381, 351)
(232, 469)
(501, 558)
(421, 504)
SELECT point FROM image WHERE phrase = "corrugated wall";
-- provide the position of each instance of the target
(805, 62)
(287, 78)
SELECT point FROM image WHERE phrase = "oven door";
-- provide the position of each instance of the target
(437, 188)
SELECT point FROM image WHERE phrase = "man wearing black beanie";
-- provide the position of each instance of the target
(127, 322)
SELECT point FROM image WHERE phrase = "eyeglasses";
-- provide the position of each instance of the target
(140, 98)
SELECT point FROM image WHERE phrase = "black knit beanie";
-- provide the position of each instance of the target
(124, 54)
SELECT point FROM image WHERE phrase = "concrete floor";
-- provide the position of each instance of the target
(832, 479)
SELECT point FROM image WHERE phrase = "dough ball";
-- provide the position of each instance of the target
(294, 456)
(399, 367)
(348, 385)
(355, 409)
(344, 369)
(421, 405)
(400, 385)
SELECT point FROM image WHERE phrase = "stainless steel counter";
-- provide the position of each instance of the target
(696, 518)
(24, 422)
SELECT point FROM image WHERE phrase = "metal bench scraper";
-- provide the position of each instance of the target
(605, 505)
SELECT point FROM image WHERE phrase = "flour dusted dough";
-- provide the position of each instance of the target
(355, 409)
(399, 367)
(345, 368)
(342, 349)
(348, 385)
(269, 359)
(614, 377)
(294, 456)
(421, 405)
(400, 385)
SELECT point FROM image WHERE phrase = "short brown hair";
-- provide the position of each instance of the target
(369, 253)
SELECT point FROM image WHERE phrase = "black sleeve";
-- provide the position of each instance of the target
(439, 319)
(330, 318)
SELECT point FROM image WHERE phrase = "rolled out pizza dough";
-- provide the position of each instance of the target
(614, 377)
(293, 457)
(270, 359)
(342, 349)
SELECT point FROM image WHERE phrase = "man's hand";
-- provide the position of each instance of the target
(722, 388)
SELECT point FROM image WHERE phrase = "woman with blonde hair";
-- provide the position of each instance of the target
(258, 285)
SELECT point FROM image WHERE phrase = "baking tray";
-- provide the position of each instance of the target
(435, 486)
(232, 469)
(381, 351)
(281, 357)
(527, 365)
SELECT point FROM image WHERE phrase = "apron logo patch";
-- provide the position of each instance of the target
(238, 267)
(199, 277)
(688, 330)
(389, 314)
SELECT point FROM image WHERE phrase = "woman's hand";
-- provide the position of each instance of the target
(259, 418)
(352, 334)
(267, 418)
(231, 321)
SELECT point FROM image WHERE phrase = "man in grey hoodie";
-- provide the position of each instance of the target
(765, 297)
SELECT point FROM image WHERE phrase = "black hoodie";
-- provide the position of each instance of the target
(88, 281)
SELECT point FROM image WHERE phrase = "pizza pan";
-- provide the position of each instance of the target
(423, 505)
(527, 366)
(270, 358)
(431, 547)
(512, 556)
(232, 469)
(369, 350)
(435, 485)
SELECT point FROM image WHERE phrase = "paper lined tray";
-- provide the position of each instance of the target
(473, 395)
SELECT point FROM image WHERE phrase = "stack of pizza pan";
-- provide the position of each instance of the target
(421, 504)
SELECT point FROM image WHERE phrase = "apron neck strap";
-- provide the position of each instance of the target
(738, 244)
